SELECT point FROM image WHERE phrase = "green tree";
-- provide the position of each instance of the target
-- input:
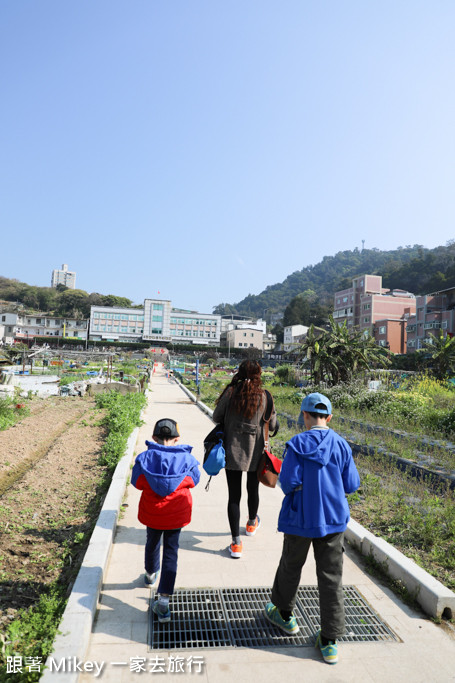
(73, 303)
(337, 354)
(438, 354)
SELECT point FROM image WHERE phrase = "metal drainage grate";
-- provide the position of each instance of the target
(362, 623)
(234, 617)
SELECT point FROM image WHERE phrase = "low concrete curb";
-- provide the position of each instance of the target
(75, 628)
(435, 599)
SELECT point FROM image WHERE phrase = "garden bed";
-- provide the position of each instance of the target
(61, 471)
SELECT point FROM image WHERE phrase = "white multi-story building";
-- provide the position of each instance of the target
(24, 327)
(64, 277)
(157, 323)
(291, 336)
(197, 328)
(116, 324)
(157, 320)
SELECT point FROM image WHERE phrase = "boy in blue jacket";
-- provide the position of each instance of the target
(317, 472)
(165, 473)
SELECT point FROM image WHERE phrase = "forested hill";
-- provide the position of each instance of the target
(59, 301)
(415, 269)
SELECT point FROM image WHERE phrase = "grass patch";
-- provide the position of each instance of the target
(10, 413)
(122, 416)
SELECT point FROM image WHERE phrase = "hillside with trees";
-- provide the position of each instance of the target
(306, 296)
(59, 301)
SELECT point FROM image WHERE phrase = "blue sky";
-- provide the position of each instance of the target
(206, 149)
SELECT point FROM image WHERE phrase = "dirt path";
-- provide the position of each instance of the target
(54, 485)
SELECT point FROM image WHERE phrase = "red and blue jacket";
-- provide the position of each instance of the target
(165, 475)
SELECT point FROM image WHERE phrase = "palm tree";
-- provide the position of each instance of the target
(439, 354)
(337, 354)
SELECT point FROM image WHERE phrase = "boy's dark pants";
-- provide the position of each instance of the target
(328, 553)
(170, 554)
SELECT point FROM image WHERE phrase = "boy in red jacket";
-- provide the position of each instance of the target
(165, 473)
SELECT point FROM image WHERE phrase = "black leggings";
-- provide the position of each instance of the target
(234, 482)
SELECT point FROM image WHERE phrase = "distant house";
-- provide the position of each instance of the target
(25, 327)
(292, 336)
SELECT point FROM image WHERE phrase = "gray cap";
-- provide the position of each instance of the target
(166, 429)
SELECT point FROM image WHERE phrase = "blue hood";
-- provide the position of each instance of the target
(316, 445)
(165, 467)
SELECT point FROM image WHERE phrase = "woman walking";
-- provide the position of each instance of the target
(241, 408)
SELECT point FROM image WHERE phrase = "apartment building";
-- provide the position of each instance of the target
(24, 327)
(244, 338)
(367, 303)
(64, 277)
(434, 312)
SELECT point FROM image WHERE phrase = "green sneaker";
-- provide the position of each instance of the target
(272, 613)
(329, 651)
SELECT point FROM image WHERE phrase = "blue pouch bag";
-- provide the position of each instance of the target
(214, 454)
(216, 460)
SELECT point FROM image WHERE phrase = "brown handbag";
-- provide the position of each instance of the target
(269, 466)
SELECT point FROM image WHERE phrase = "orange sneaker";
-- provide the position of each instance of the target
(236, 550)
(252, 528)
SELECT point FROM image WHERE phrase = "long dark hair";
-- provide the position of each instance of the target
(246, 388)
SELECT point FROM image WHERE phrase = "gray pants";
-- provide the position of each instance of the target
(328, 553)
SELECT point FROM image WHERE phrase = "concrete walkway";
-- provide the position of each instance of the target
(427, 650)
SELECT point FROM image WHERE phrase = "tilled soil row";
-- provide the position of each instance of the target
(46, 516)
(11, 472)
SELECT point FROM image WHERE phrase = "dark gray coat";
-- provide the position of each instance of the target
(243, 439)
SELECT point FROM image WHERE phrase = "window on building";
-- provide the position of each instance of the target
(382, 329)
(366, 307)
(366, 320)
(382, 342)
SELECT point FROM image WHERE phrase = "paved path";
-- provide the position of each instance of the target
(426, 653)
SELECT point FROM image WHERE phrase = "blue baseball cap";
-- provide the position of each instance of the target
(316, 403)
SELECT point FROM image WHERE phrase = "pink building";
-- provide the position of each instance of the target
(434, 312)
(367, 303)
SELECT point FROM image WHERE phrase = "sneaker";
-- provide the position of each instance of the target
(252, 528)
(329, 651)
(150, 579)
(272, 613)
(163, 617)
(236, 549)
